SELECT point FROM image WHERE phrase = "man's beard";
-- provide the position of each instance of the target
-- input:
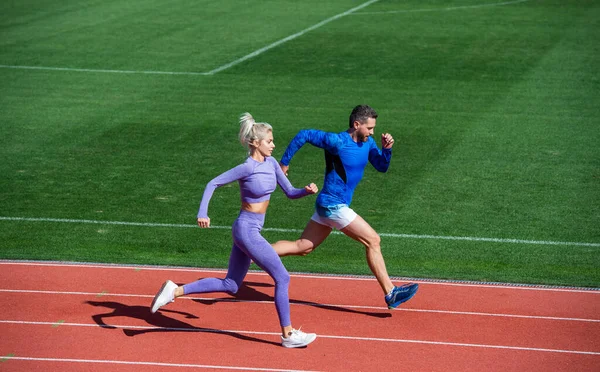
(362, 138)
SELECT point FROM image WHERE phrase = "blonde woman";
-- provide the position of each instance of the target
(258, 177)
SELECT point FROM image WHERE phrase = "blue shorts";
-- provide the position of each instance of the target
(334, 216)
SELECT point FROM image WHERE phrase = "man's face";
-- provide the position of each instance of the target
(365, 130)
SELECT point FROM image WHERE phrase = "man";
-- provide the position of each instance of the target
(346, 156)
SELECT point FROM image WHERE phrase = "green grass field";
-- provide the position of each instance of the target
(123, 111)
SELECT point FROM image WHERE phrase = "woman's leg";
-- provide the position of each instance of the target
(239, 263)
(265, 257)
(246, 235)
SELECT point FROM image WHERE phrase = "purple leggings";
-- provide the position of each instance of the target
(248, 245)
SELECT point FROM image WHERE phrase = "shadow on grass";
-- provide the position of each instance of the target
(159, 321)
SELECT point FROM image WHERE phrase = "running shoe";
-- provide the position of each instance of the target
(297, 338)
(165, 295)
(401, 294)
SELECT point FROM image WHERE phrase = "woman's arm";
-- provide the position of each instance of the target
(234, 174)
(285, 184)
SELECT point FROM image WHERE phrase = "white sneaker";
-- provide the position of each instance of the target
(165, 295)
(298, 339)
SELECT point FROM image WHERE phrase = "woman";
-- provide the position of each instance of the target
(258, 177)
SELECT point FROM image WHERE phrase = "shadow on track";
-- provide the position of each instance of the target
(159, 320)
(247, 292)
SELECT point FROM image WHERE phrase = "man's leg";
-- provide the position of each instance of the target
(312, 236)
(361, 231)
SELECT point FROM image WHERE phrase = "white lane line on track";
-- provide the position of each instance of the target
(309, 276)
(459, 344)
(305, 303)
(354, 338)
(138, 363)
(477, 6)
(390, 235)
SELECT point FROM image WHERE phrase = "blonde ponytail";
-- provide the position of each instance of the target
(246, 124)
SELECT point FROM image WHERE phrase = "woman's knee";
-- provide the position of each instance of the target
(231, 285)
(282, 278)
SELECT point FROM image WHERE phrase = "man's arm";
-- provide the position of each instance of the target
(380, 159)
(325, 140)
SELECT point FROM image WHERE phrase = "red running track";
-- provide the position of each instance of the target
(71, 317)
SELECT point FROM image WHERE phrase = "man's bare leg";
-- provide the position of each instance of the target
(312, 236)
(361, 231)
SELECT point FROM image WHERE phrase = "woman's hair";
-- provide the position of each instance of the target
(251, 131)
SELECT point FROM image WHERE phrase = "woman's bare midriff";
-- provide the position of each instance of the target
(260, 208)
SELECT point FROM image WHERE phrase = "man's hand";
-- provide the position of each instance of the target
(204, 222)
(311, 189)
(387, 141)
(284, 168)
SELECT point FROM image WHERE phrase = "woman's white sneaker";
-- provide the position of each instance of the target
(297, 338)
(165, 295)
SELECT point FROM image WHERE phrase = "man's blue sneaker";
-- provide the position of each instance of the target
(401, 294)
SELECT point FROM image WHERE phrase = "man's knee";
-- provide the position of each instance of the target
(305, 246)
(305, 252)
(373, 242)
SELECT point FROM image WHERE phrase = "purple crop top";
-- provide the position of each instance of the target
(257, 181)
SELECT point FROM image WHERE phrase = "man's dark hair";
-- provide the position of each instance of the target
(362, 113)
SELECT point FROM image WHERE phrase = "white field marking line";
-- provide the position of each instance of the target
(442, 9)
(291, 37)
(305, 276)
(108, 361)
(292, 302)
(354, 338)
(391, 235)
(214, 71)
(102, 70)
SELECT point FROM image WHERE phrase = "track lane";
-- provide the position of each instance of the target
(335, 322)
(309, 289)
(94, 343)
(356, 337)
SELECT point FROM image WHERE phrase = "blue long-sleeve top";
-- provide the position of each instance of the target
(345, 162)
(257, 181)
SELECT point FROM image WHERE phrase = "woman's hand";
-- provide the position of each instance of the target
(311, 189)
(204, 222)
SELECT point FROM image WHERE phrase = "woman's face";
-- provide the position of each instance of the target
(266, 145)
